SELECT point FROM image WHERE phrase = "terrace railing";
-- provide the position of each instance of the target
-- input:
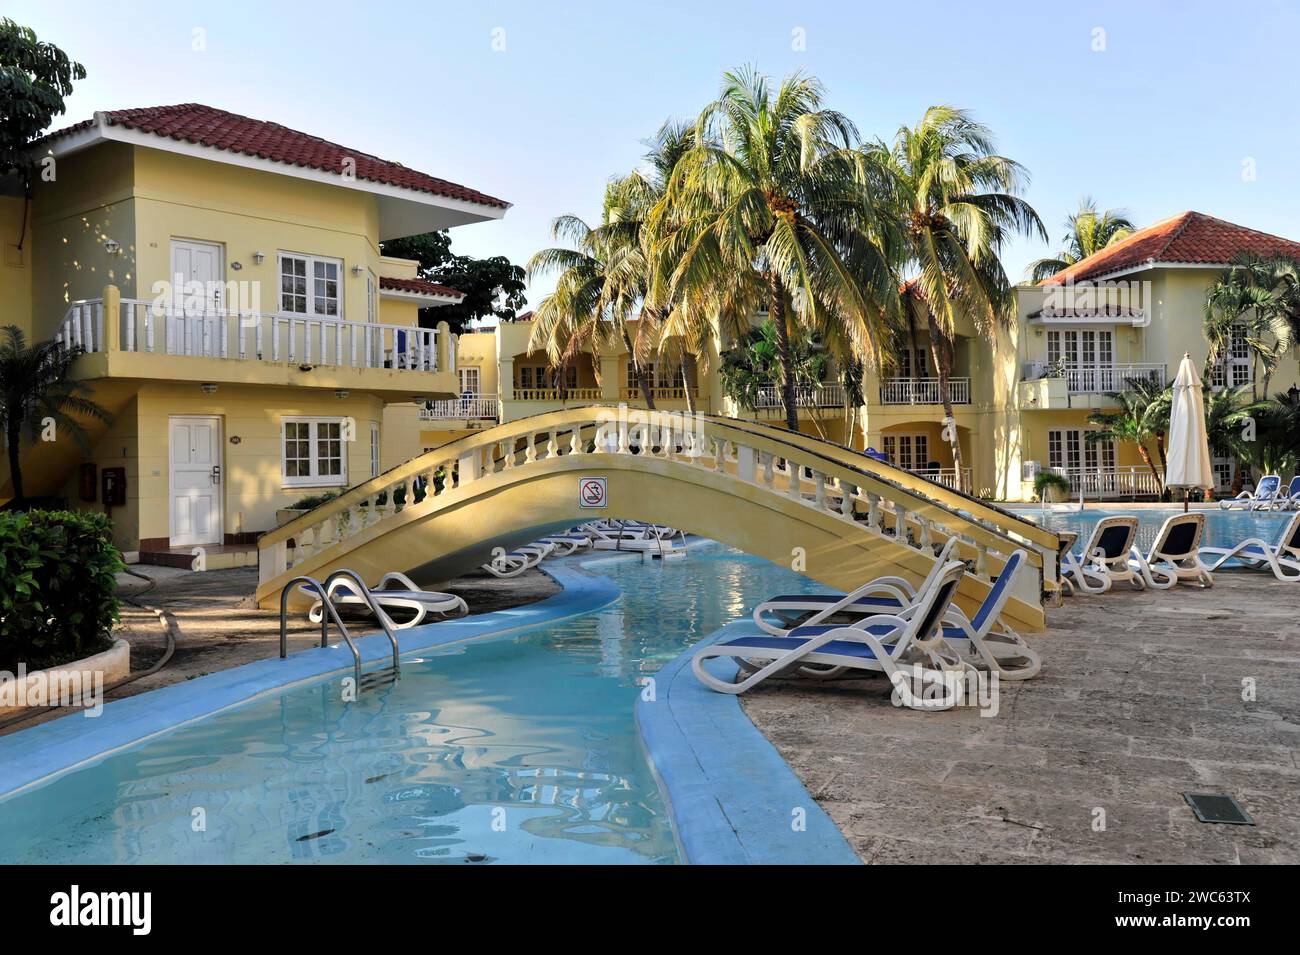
(828, 395)
(924, 391)
(478, 406)
(149, 328)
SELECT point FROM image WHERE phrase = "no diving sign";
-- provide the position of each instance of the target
(593, 492)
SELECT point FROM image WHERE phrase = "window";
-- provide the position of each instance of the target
(1088, 356)
(1069, 451)
(911, 452)
(374, 449)
(469, 381)
(1225, 469)
(912, 363)
(526, 378)
(310, 285)
(313, 452)
(648, 369)
(1235, 368)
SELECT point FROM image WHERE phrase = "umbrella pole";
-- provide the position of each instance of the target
(1184, 500)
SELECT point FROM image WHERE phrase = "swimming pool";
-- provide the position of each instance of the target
(1222, 528)
(519, 749)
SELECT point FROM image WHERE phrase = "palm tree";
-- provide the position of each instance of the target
(36, 391)
(1087, 233)
(774, 205)
(956, 199)
(1228, 411)
(593, 298)
(1142, 417)
(1262, 297)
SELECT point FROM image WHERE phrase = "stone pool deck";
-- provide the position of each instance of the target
(1139, 700)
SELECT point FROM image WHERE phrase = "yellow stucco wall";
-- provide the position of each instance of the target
(15, 265)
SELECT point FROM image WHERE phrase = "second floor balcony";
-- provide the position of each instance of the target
(924, 391)
(827, 395)
(478, 407)
(181, 343)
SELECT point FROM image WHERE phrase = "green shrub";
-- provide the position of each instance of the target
(57, 587)
(1045, 481)
(314, 500)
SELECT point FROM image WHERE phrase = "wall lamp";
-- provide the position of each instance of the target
(112, 246)
(208, 388)
(258, 256)
(340, 392)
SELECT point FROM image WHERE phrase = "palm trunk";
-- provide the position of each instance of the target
(1164, 464)
(776, 311)
(15, 470)
(688, 362)
(639, 373)
(1146, 459)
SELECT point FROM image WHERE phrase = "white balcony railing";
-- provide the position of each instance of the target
(947, 477)
(923, 391)
(829, 395)
(1097, 379)
(145, 327)
(659, 393)
(477, 406)
(1133, 481)
(553, 394)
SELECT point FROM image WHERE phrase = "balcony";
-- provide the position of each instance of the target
(555, 394)
(660, 393)
(830, 395)
(1095, 379)
(924, 391)
(476, 407)
(147, 340)
(1134, 481)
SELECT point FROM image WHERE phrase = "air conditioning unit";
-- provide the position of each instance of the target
(1034, 370)
(1029, 470)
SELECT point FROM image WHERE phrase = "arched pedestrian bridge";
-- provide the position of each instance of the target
(833, 514)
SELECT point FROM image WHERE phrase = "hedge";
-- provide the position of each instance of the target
(57, 587)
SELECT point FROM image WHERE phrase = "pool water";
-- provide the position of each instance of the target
(521, 749)
(1222, 528)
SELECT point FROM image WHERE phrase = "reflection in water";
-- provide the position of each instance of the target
(514, 750)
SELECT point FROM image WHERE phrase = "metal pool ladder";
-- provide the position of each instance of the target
(371, 680)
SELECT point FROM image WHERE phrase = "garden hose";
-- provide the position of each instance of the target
(170, 628)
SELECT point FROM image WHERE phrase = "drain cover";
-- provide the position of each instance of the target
(1222, 809)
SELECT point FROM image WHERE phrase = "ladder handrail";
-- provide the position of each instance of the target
(378, 611)
(327, 606)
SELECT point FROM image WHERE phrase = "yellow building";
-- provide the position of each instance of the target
(1130, 311)
(1020, 397)
(223, 275)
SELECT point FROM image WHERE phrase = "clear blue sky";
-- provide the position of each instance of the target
(1159, 121)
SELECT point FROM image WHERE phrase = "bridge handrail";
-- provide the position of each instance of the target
(765, 456)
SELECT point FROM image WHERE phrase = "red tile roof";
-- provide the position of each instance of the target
(419, 287)
(218, 129)
(1191, 238)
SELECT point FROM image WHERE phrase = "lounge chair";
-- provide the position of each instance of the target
(882, 595)
(985, 640)
(1261, 499)
(566, 544)
(1104, 559)
(1282, 557)
(1289, 500)
(394, 592)
(1173, 555)
(514, 563)
(905, 644)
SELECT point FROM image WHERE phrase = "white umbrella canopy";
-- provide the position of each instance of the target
(1187, 463)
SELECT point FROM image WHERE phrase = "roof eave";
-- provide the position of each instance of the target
(402, 211)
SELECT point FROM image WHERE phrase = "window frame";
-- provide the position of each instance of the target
(315, 478)
(310, 262)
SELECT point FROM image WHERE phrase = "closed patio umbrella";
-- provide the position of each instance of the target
(1188, 462)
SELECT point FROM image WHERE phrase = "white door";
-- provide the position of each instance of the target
(196, 477)
(198, 281)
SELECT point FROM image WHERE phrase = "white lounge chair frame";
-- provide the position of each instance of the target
(1261, 499)
(1096, 570)
(1282, 557)
(906, 638)
(395, 591)
(1164, 565)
